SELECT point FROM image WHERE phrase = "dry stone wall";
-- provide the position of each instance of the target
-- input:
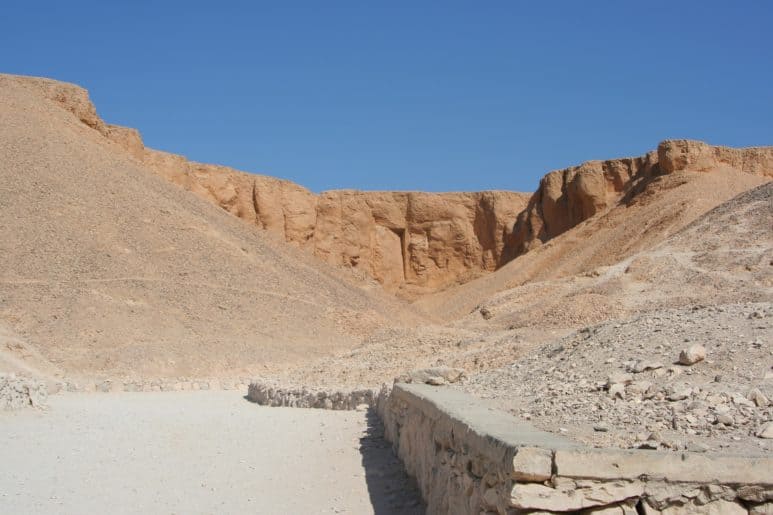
(270, 394)
(18, 392)
(468, 458)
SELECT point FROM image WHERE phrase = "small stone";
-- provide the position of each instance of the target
(740, 400)
(697, 447)
(617, 390)
(758, 398)
(643, 366)
(692, 355)
(532, 464)
(601, 428)
(639, 387)
(725, 420)
(679, 395)
(762, 509)
(766, 431)
(619, 378)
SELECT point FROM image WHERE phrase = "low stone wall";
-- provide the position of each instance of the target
(18, 392)
(269, 394)
(469, 458)
(147, 385)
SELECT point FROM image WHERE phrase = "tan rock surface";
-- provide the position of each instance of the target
(654, 209)
(108, 269)
(409, 242)
(565, 198)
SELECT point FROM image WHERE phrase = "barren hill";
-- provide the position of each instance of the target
(596, 215)
(723, 260)
(110, 266)
(410, 242)
(107, 268)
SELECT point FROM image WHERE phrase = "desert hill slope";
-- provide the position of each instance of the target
(560, 236)
(723, 258)
(409, 242)
(107, 268)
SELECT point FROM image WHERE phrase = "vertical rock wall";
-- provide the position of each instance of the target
(414, 242)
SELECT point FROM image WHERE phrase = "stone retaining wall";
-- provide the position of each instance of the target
(147, 385)
(18, 392)
(269, 394)
(469, 458)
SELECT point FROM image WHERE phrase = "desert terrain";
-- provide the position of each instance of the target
(625, 303)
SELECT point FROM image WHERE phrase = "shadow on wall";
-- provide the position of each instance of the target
(391, 490)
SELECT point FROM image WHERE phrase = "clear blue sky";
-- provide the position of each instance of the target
(415, 95)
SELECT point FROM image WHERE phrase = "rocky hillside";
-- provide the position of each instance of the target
(410, 242)
(665, 192)
(566, 198)
(416, 243)
(109, 269)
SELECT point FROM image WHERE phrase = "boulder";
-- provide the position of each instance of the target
(692, 355)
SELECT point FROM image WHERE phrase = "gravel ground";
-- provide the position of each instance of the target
(195, 452)
(620, 384)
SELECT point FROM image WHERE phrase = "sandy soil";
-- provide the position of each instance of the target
(195, 452)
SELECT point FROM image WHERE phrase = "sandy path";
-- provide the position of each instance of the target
(195, 452)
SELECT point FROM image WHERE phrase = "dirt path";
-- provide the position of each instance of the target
(195, 452)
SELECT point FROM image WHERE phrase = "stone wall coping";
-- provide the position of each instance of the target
(495, 433)
(490, 427)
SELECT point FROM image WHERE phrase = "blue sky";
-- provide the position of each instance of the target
(413, 95)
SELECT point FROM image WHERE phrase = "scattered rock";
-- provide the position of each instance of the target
(436, 375)
(758, 398)
(485, 313)
(766, 431)
(619, 378)
(643, 366)
(692, 355)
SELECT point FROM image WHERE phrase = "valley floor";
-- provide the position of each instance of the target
(196, 452)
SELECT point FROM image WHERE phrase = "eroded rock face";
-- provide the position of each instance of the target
(415, 242)
(566, 198)
(408, 241)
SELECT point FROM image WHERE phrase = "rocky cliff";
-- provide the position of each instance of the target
(567, 197)
(409, 242)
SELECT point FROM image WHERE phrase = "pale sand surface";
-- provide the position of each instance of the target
(195, 452)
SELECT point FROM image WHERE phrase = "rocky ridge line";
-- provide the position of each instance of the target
(413, 242)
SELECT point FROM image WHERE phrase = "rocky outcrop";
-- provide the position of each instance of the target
(676, 155)
(69, 96)
(413, 242)
(565, 198)
(410, 242)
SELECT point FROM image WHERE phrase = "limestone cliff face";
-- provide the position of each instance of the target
(410, 242)
(407, 241)
(568, 197)
(417, 242)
